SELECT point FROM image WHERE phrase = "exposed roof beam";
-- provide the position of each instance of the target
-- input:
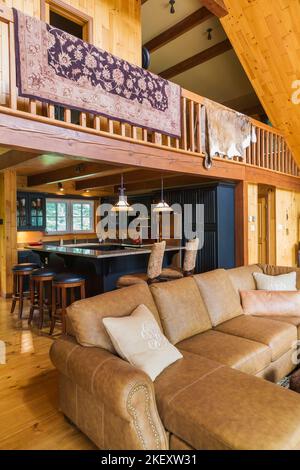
(196, 18)
(70, 172)
(135, 176)
(197, 59)
(217, 7)
(14, 157)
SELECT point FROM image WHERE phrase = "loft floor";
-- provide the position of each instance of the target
(29, 413)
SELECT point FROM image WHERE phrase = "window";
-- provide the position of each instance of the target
(69, 216)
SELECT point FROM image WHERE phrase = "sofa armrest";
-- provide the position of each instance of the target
(122, 390)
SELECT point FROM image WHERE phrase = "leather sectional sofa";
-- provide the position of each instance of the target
(221, 395)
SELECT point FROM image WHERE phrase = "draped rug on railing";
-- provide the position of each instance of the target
(58, 68)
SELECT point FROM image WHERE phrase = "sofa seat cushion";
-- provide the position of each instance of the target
(181, 309)
(287, 319)
(214, 407)
(278, 336)
(220, 297)
(240, 353)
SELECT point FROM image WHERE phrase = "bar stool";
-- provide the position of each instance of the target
(153, 271)
(189, 263)
(20, 272)
(40, 280)
(60, 287)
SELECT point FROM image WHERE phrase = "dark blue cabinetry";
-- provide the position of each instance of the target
(31, 211)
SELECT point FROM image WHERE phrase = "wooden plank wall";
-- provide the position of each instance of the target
(287, 227)
(8, 230)
(265, 35)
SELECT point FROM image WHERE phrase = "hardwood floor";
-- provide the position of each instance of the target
(29, 413)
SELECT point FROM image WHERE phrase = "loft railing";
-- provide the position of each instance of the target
(270, 151)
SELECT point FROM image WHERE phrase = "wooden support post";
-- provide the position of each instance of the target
(8, 230)
(241, 223)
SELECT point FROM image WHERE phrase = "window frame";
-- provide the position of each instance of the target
(71, 13)
(69, 215)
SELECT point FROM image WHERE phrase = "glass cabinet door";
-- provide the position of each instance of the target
(36, 211)
(22, 211)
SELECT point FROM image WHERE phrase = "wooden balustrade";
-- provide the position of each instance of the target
(270, 151)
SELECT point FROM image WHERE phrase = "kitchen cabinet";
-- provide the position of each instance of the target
(31, 211)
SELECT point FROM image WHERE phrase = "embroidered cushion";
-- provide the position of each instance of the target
(139, 340)
(280, 282)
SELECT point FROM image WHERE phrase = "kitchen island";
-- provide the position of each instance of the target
(101, 263)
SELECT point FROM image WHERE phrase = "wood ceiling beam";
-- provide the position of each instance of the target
(217, 7)
(22, 133)
(197, 59)
(140, 176)
(183, 26)
(14, 157)
(169, 182)
(70, 172)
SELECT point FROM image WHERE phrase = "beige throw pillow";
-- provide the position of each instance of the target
(139, 340)
(281, 282)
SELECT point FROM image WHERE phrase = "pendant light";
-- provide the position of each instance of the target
(122, 204)
(162, 206)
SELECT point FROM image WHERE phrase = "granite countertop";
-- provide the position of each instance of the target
(85, 251)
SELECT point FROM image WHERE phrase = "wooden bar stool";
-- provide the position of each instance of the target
(60, 287)
(20, 272)
(40, 280)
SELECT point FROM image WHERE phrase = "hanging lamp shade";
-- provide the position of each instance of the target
(162, 206)
(122, 205)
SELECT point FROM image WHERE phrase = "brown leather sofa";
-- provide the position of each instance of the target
(213, 398)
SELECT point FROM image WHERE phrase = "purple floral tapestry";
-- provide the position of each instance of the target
(56, 67)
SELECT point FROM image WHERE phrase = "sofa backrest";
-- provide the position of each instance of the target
(86, 315)
(220, 297)
(181, 308)
(242, 277)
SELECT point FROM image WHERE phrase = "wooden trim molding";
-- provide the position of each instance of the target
(241, 224)
(71, 13)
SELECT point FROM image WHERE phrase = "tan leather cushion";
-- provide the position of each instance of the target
(261, 302)
(285, 319)
(220, 297)
(239, 353)
(278, 336)
(132, 279)
(181, 308)
(275, 270)
(213, 407)
(242, 278)
(138, 339)
(86, 315)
